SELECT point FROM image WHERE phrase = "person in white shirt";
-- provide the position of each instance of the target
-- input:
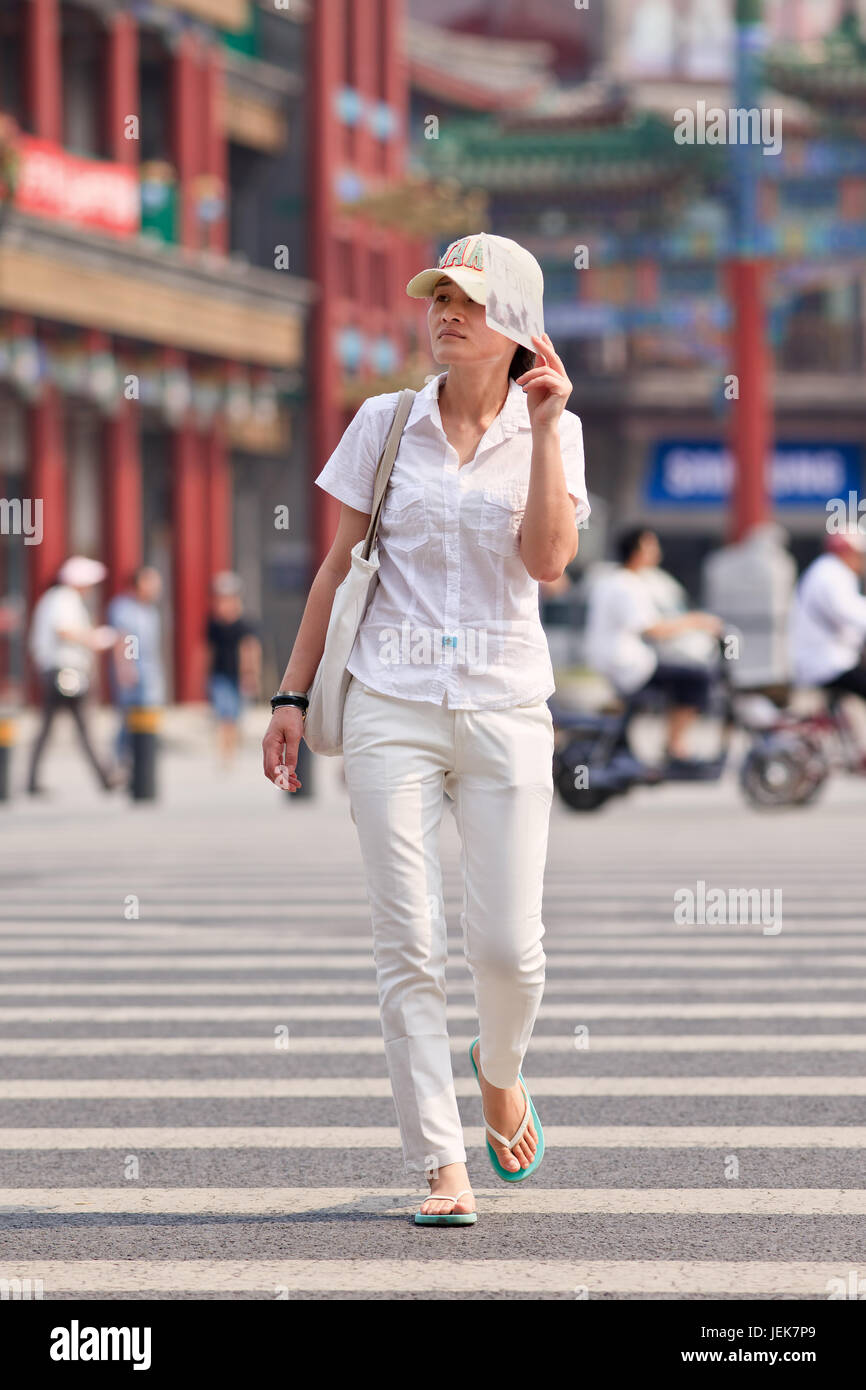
(451, 674)
(623, 623)
(63, 640)
(827, 622)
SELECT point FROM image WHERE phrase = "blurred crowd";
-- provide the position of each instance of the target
(64, 644)
(641, 633)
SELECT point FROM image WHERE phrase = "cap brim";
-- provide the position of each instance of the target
(423, 284)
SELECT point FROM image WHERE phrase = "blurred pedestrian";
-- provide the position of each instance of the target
(235, 660)
(827, 627)
(63, 640)
(624, 622)
(137, 676)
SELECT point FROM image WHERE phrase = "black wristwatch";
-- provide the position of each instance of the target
(290, 697)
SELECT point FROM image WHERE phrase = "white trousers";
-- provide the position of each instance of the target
(401, 758)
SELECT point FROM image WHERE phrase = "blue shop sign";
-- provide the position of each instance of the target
(699, 473)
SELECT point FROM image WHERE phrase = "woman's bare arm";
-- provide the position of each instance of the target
(283, 734)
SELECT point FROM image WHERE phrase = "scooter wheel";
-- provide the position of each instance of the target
(783, 774)
(580, 798)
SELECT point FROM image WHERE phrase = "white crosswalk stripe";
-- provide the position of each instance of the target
(686, 1278)
(358, 1013)
(363, 1087)
(275, 1201)
(350, 1045)
(376, 1137)
(637, 984)
(765, 957)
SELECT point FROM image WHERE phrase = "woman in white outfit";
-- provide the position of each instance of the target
(451, 674)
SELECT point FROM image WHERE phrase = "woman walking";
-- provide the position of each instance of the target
(448, 699)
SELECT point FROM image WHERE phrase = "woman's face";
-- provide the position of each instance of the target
(459, 331)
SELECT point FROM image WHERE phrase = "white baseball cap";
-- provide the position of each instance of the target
(80, 571)
(227, 582)
(463, 262)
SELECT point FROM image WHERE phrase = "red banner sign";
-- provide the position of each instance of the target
(89, 192)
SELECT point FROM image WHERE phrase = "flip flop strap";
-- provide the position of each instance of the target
(442, 1197)
(509, 1143)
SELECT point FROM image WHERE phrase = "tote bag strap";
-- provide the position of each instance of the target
(386, 463)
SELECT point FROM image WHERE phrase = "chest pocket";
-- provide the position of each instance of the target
(502, 510)
(404, 524)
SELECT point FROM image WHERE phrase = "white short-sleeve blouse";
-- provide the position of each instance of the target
(454, 618)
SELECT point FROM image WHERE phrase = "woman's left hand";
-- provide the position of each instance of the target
(547, 387)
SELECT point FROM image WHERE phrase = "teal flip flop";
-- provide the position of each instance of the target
(529, 1114)
(447, 1218)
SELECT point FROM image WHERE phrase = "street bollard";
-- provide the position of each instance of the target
(304, 770)
(143, 725)
(8, 732)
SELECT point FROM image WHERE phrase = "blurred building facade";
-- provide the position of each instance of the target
(153, 305)
(564, 117)
(210, 260)
(209, 210)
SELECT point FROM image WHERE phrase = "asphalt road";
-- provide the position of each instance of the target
(194, 1101)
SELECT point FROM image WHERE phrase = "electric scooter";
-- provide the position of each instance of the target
(593, 760)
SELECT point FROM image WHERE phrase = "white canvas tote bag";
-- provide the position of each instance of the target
(323, 725)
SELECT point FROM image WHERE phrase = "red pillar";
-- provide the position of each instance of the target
(326, 39)
(218, 476)
(751, 433)
(367, 38)
(189, 561)
(47, 480)
(186, 134)
(122, 88)
(646, 282)
(46, 484)
(43, 69)
(215, 153)
(396, 83)
(121, 463)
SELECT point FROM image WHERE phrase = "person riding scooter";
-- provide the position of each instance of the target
(623, 624)
(827, 623)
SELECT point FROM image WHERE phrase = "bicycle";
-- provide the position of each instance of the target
(790, 761)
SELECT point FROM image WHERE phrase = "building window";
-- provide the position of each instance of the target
(346, 276)
(12, 61)
(83, 53)
(350, 44)
(377, 288)
(154, 77)
(381, 20)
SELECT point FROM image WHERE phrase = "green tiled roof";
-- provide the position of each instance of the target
(480, 152)
(833, 76)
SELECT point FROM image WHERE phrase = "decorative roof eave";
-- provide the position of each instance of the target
(621, 178)
(572, 108)
(483, 154)
(821, 84)
(472, 94)
(480, 73)
(831, 73)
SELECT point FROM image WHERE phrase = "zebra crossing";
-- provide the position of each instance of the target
(194, 1101)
